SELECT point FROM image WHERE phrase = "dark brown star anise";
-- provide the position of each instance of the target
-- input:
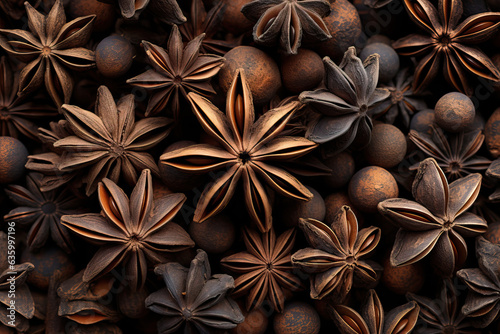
(351, 89)
(447, 47)
(436, 224)
(176, 72)
(194, 299)
(167, 11)
(248, 150)
(15, 8)
(373, 320)
(52, 46)
(334, 259)
(493, 171)
(133, 232)
(264, 269)
(287, 22)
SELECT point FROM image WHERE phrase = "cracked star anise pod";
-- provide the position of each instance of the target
(437, 222)
(133, 232)
(455, 156)
(265, 269)
(373, 320)
(249, 151)
(110, 143)
(335, 258)
(167, 11)
(194, 299)
(351, 89)
(176, 71)
(42, 211)
(49, 49)
(448, 46)
(288, 22)
(482, 304)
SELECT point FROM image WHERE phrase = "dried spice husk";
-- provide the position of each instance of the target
(167, 11)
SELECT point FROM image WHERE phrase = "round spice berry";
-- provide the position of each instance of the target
(292, 210)
(303, 71)
(233, 20)
(343, 168)
(334, 202)
(388, 61)
(387, 147)
(13, 157)
(132, 303)
(214, 235)
(105, 13)
(256, 322)
(492, 134)
(114, 56)
(370, 186)
(454, 112)
(379, 39)
(400, 280)
(422, 121)
(297, 318)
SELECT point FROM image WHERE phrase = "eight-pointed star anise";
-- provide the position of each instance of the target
(176, 72)
(264, 269)
(167, 11)
(447, 47)
(334, 259)
(287, 22)
(437, 222)
(133, 232)
(194, 299)
(351, 89)
(52, 46)
(248, 150)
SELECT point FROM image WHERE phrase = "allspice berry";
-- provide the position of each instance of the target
(422, 121)
(13, 157)
(256, 322)
(291, 210)
(105, 13)
(343, 168)
(400, 280)
(261, 71)
(454, 112)
(370, 186)
(214, 235)
(132, 303)
(114, 56)
(334, 202)
(301, 72)
(297, 318)
(233, 20)
(492, 134)
(388, 61)
(387, 147)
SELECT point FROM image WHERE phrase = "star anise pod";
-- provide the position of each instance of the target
(193, 299)
(52, 46)
(248, 150)
(15, 8)
(373, 320)
(176, 72)
(351, 89)
(133, 232)
(456, 155)
(264, 269)
(448, 46)
(493, 171)
(437, 222)
(482, 305)
(167, 11)
(287, 22)
(376, 3)
(110, 143)
(42, 211)
(335, 258)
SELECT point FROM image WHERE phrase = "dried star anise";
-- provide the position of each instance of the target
(264, 269)
(483, 301)
(167, 11)
(51, 46)
(133, 232)
(455, 156)
(194, 299)
(372, 320)
(176, 72)
(287, 22)
(436, 223)
(376, 3)
(42, 211)
(447, 47)
(493, 171)
(15, 8)
(334, 259)
(248, 150)
(351, 89)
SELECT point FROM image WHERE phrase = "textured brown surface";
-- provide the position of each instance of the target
(492, 134)
(105, 13)
(114, 56)
(493, 233)
(389, 60)
(256, 322)
(297, 318)
(387, 147)
(13, 157)
(422, 121)
(234, 21)
(404, 279)
(303, 71)
(335, 201)
(454, 112)
(343, 168)
(292, 210)
(215, 235)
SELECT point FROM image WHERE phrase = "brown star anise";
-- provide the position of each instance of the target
(351, 89)
(456, 155)
(334, 259)
(435, 223)
(110, 143)
(372, 320)
(51, 46)
(194, 299)
(288, 22)
(15, 8)
(248, 149)
(264, 269)
(483, 301)
(447, 47)
(176, 71)
(132, 232)
(493, 171)
(167, 11)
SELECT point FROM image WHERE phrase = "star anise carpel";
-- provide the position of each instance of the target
(249, 151)
(450, 44)
(167, 11)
